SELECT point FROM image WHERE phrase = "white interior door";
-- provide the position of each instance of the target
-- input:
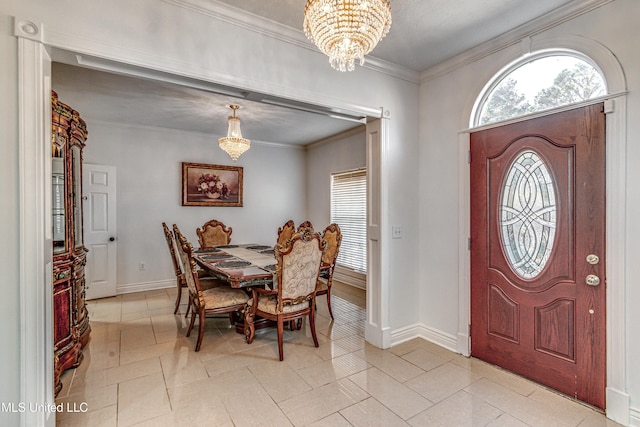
(100, 237)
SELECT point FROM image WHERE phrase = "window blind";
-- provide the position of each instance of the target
(349, 211)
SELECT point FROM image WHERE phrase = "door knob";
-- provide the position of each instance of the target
(593, 259)
(592, 280)
(112, 239)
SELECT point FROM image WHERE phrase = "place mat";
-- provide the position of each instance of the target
(271, 267)
(258, 247)
(233, 264)
(226, 246)
(208, 251)
(215, 257)
(267, 252)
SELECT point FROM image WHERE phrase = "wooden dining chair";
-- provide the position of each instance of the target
(206, 281)
(220, 299)
(285, 232)
(297, 270)
(332, 236)
(213, 233)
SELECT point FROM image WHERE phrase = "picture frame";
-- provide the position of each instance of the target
(211, 185)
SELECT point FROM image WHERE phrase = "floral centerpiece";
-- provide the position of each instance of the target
(212, 186)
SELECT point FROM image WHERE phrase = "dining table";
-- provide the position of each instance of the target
(242, 266)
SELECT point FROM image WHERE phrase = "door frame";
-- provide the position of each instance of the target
(617, 398)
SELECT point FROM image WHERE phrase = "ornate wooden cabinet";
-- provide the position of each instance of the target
(71, 319)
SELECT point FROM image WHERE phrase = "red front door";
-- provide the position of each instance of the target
(538, 250)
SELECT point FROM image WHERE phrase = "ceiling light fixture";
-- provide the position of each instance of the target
(234, 144)
(346, 29)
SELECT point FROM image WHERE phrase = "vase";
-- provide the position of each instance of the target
(212, 195)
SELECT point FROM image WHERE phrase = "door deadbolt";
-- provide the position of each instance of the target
(593, 259)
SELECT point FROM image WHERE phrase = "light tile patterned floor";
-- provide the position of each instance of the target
(140, 369)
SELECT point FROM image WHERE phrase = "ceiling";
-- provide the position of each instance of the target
(423, 34)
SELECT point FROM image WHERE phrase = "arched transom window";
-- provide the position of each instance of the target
(540, 82)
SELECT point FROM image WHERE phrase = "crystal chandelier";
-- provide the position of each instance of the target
(234, 144)
(346, 29)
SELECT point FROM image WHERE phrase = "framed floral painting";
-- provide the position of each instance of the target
(211, 185)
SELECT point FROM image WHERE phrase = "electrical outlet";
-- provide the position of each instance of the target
(141, 266)
(396, 232)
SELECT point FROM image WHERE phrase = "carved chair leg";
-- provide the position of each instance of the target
(249, 327)
(200, 328)
(280, 337)
(191, 323)
(329, 302)
(178, 298)
(312, 325)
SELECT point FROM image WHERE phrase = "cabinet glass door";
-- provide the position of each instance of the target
(76, 177)
(59, 218)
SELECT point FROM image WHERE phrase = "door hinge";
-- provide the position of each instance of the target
(468, 243)
(469, 156)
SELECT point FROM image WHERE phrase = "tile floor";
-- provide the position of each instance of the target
(140, 369)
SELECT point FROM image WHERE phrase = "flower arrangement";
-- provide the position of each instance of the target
(212, 186)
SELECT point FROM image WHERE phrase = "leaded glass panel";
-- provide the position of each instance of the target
(528, 214)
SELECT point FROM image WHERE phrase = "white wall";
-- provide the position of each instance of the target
(341, 153)
(445, 104)
(149, 173)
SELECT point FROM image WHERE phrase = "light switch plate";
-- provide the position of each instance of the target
(396, 232)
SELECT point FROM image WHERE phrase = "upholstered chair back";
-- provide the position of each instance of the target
(185, 250)
(298, 267)
(332, 236)
(286, 231)
(171, 243)
(213, 233)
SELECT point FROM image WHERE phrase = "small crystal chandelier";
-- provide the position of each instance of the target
(346, 29)
(234, 144)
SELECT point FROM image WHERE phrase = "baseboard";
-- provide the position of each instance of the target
(634, 417)
(450, 342)
(145, 286)
(618, 408)
(463, 345)
(377, 336)
(350, 277)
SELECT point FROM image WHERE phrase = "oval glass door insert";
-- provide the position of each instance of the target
(528, 214)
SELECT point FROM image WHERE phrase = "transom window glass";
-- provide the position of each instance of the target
(528, 214)
(540, 84)
(349, 211)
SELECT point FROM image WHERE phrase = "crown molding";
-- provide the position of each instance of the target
(268, 28)
(337, 137)
(180, 133)
(514, 37)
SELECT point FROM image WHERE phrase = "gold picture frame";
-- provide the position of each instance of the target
(211, 185)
